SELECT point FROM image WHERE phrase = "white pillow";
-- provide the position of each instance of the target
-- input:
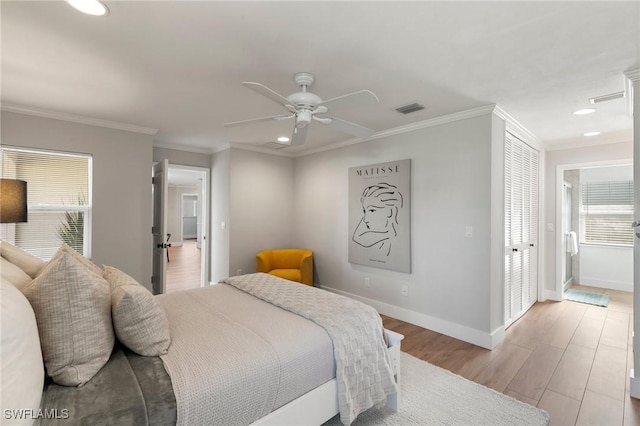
(73, 311)
(13, 274)
(23, 260)
(22, 372)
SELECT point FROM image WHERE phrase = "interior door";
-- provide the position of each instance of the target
(521, 228)
(159, 230)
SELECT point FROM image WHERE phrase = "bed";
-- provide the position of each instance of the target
(253, 349)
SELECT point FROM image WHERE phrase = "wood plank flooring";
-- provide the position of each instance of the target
(568, 358)
(183, 269)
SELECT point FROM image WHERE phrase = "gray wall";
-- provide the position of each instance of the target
(184, 158)
(174, 204)
(121, 217)
(252, 193)
(220, 199)
(450, 286)
(261, 208)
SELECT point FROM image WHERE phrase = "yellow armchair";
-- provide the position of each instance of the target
(290, 264)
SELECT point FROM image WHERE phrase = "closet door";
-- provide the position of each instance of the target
(521, 228)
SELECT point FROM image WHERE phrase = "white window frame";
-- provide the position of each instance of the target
(59, 208)
(603, 212)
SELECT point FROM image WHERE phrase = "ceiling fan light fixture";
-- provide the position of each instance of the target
(584, 111)
(90, 7)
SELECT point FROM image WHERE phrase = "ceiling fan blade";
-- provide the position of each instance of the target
(299, 135)
(265, 91)
(351, 128)
(351, 100)
(258, 120)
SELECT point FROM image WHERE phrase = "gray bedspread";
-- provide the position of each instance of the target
(234, 358)
(130, 390)
(363, 366)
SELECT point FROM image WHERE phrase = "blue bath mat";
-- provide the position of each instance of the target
(597, 299)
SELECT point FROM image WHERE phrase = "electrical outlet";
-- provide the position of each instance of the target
(239, 272)
(367, 282)
(404, 290)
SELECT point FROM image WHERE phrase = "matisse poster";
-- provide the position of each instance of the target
(379, 215)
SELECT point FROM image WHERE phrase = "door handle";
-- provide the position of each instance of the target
(514, 250)
(163, 245)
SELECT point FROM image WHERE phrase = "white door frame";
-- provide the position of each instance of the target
(560, 168)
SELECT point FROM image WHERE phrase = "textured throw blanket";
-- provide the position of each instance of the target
(363, 367)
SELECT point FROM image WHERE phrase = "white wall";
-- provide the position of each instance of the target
(449, 287)
(553, 159)
(121, 218)
(606, 267)
(174, 204)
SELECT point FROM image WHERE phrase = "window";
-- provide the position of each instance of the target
(607, 212)
(58, 198)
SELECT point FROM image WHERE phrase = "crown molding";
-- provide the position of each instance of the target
(36, 112)
(518, 129)
(187, 148)
(436, 121)
(246, 147)
(633, 75)
(582, 143)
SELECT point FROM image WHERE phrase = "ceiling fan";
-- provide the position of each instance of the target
(305, 106)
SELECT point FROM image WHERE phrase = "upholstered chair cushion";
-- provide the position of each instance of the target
(290, 264)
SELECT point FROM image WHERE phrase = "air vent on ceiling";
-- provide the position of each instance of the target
(605, 98)
(408, 109)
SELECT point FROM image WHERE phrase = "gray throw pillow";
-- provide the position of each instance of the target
(73, 312)
(138, 319)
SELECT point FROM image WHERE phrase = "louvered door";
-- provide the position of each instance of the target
(521, 228)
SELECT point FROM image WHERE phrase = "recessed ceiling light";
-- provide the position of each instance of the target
(90, 7)
(591, 134)
(283, 139)
(584, 111)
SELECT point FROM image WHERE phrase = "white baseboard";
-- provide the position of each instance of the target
(468, 334)
(634, 386)
(608, 284)
(552, 295)
(567, 284)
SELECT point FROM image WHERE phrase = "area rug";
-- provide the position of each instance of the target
(597, 299)
(431, 395)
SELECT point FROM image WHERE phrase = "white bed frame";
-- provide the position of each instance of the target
(319, 405)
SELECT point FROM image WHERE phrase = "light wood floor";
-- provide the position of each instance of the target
(568, 358)
(183, 269)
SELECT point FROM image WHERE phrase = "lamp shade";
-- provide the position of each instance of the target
(13, 201)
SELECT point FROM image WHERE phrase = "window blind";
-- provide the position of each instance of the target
(58, 199)
(607, 209)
